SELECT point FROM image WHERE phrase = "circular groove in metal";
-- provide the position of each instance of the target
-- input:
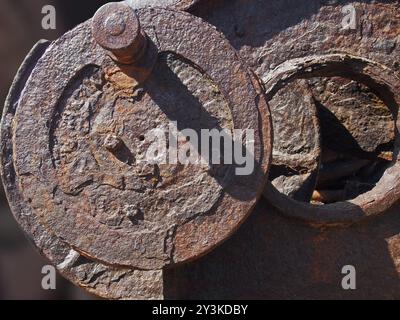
(102, 242)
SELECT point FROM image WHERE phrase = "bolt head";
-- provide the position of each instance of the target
(115, 26)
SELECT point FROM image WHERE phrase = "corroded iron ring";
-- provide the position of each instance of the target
(171, 4)
(386, 84)
(68, 181)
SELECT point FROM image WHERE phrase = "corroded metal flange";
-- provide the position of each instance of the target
(69, 146)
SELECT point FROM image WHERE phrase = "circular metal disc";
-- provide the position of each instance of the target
(85, 187)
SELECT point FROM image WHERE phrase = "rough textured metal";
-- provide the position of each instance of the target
(308, 263)
(116, 28)
(68, 126)
(383, 81)
(267, 34)
(94, 277)
(351, 113)
(275, 257)
(172, 4)
(297, 142)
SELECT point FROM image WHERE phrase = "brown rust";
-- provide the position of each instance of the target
(116, 28)
(171, 4)
(94, 277)
(276, 257)
(297, 143)
(92, 195)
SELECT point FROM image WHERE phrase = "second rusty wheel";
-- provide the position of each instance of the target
(386, 84)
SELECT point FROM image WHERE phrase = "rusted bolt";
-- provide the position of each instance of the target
(116, 28)
(386, 84)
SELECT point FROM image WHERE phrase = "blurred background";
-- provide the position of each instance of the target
(20, 29)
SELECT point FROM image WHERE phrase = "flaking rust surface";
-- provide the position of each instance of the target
(160, 240)
(89, 143)
(94, 277)
(297, 143)
(346, 106)
(267, 33)
(121, 194)
(273, 257)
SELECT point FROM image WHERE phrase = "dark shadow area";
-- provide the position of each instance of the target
(336, 135)
(355, 171)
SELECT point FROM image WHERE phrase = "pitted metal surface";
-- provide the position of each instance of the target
(172, 4)
(267, 35)
(297, 141)
(96, 129)
(308, 263)
(381, 79)
(95, 277)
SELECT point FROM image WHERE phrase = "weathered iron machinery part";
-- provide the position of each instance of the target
(268, 33)
(297, 144)
(346, 106)
(116, 28)
(310, 259)
(70, 171)
(382, 80)
(295, 175)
